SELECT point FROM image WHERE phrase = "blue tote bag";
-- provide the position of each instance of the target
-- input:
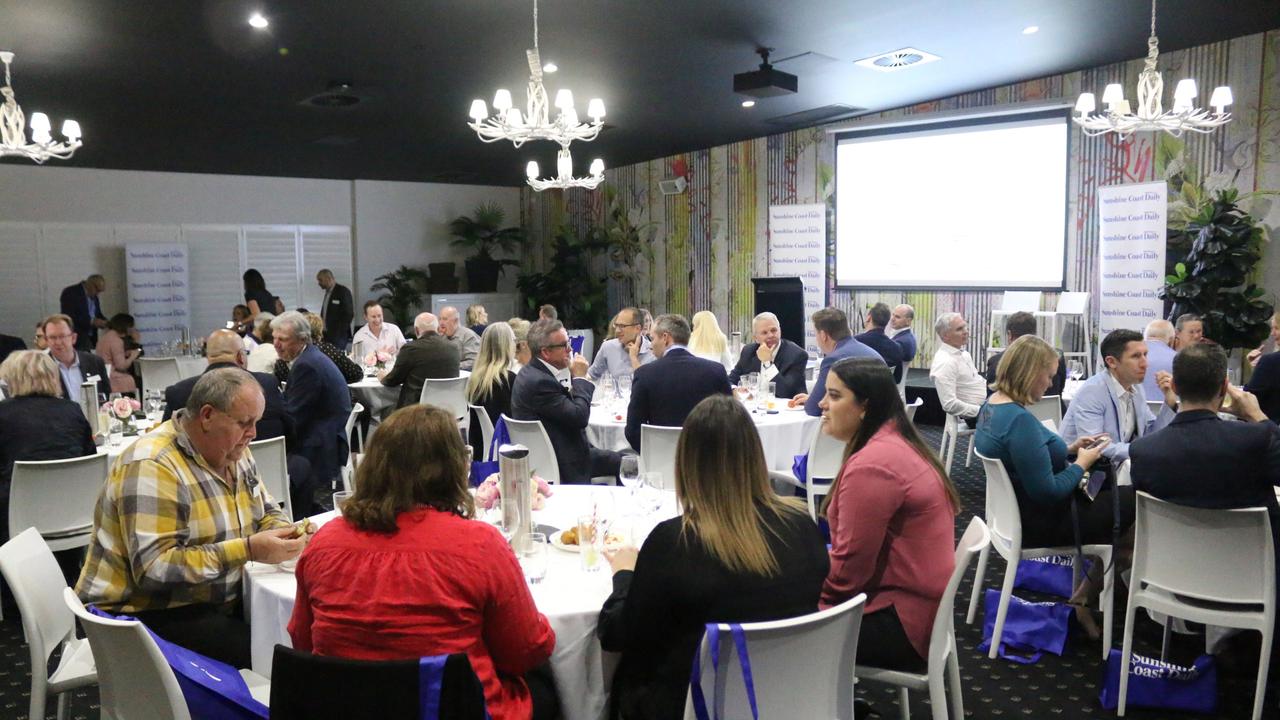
(481, 469)
(1029, 628)
(1050, 575)
(1157, 684)
(744, 662)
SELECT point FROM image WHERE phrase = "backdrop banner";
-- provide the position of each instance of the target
(1132, 227)
(798, 248)
(156, 274)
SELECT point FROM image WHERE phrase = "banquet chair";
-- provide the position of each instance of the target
(1048, 407)
(352, 425)
(1012, 302)
(486, 428)
(36, 580)
(1005, 523)
(943, 656)
(825, 454)
(1154, 406)
(802, 667)
(158, 373)
(912, 407)
(273, 466)
(57, 498)
(902, 382)
(1215, 567)
(1072, 305)
(542, 455)
(306, 687)
(449, 394)
(953, 428)
(658, 452)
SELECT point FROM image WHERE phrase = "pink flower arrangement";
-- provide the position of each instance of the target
(488, 495)
(122, 407)
(378, 357)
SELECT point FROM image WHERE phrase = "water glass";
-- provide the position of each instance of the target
(629, 473)
(533, 560)
(771, 396)
(651, 492)
(116, 435)
(340, 498)
(623, 384)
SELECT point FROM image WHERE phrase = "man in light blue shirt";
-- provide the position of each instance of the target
(627, 350)
(831, 327)
(1159, 338)
(74, 367)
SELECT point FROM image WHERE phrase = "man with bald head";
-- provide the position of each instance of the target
(462, 338)
(224, 348)
(1159, 336)
(430, 356)
(900, 330)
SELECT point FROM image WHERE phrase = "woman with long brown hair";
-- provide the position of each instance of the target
(406, 573)
(739, 553)
(892, 515)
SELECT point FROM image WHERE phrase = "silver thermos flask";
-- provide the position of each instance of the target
(515, 483)
(735, 345)
(89, 406)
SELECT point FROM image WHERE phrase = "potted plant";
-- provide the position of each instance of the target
(482, 234)
(626, 240)
(403, 288)
(570, 283)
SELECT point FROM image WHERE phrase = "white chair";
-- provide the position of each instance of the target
(273, 465)
(1216, 567)
(658, 452)
(57, 498)
(1005, 524)
(943, 657)
(1072, 305)
(1154, 406)
(1012, 302)
(37, 583)
(825, 454)
(802, 667)
(349, 469)
(449, 394)
(902, 382)
(542, 456)
(911, 409)
(1048, 407)
(354, 426)
(953, 428)
(486, 429)
(159, 373)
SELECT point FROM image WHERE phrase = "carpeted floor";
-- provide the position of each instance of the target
(1056, 687)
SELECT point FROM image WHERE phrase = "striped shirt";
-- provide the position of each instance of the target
(169, 531)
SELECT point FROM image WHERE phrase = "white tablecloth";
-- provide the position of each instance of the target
(374, 396)
(570, 598)
(784, 434)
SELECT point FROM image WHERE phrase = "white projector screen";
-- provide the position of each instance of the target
(978, 203)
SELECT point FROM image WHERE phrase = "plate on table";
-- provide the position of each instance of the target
(559, 544)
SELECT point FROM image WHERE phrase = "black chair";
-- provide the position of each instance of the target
(312, 687)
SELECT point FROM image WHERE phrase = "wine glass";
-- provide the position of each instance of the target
(623, 383)
(1075, 369)
(629, 473)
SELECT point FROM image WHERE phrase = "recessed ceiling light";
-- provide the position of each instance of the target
(1031, 30)
(550, 67)
(748, 103)
(258, 21)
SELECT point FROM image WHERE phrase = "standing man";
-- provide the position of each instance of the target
(74, 366)
(1159, 336)
(665, 391)
(961, 388)
(80, 303)
(777, 360)
(183, 510)
(462, 338)
(318, 402)
(900, 331)
(1114, 403)
(338, 309)
(430, 356)
(877, 319)
(627, 350)
(1190, 330)
(554, 388)
(831, 327)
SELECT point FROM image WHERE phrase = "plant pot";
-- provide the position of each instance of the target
(441, 270)
(482, 274)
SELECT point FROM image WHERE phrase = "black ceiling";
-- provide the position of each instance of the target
(189, 86)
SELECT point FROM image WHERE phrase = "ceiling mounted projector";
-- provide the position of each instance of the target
(765, 82)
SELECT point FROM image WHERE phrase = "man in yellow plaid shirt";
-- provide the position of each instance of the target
(182, 511)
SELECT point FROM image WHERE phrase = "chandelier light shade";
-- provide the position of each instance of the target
(1151, 115)
(564, 174)
(13, 128)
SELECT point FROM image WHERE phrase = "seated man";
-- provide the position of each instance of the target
(430, 356)
(776, 360)
(831, 328)
(665, 391)
(1113, 402)
(182, 511)
(900, 331)
(627, 350)
(376, 335)
(1190, 331)
(463, 339)
(554, 389)
(1019, 324)
(877, 319)
(1159, 338)
(318, 402)
(961, 390)
(74, 366)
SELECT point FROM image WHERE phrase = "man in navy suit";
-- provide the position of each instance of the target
(878, 318)
(74, 366)
(554, 388)
(318, 402)
(899, 331)
(337, 309)
(775, 359)
(831, 326)
(80, 303)
(664, 391)
(224, 348)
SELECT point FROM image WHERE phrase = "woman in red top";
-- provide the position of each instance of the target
(406, 572)
(891, 512)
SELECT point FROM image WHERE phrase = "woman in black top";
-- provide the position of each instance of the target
(36, 423)
(351, 372)
(491, 381)
(256, 295)
(739, 553)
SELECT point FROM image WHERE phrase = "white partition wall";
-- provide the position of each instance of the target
(214, 253)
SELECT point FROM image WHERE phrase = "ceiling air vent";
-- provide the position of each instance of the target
(897, 60)
(339, 94)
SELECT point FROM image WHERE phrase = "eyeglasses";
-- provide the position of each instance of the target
(619, 326)
(56, 337)
(557, 345)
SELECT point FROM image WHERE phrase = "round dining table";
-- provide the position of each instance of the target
(569, 596)
(376, 397)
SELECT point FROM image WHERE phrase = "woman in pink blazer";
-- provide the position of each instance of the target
(111, 350)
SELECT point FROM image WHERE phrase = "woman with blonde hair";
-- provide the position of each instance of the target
(520, 327)
(739, 553)
(404, 571)
(491, 381)
(477, 319)
(708, 340)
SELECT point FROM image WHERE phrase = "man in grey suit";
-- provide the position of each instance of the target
(430, 357)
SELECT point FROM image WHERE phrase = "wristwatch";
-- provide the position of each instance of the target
(766, 365)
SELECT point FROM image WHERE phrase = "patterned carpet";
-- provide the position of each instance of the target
(1056, 687)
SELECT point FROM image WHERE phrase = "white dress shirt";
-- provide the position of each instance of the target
(1128, 415)
(961, 388)
(389, 339)
(562, 376)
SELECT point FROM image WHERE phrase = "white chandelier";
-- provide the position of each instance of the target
(507, 123)
(1151, 115)
(13, 128)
